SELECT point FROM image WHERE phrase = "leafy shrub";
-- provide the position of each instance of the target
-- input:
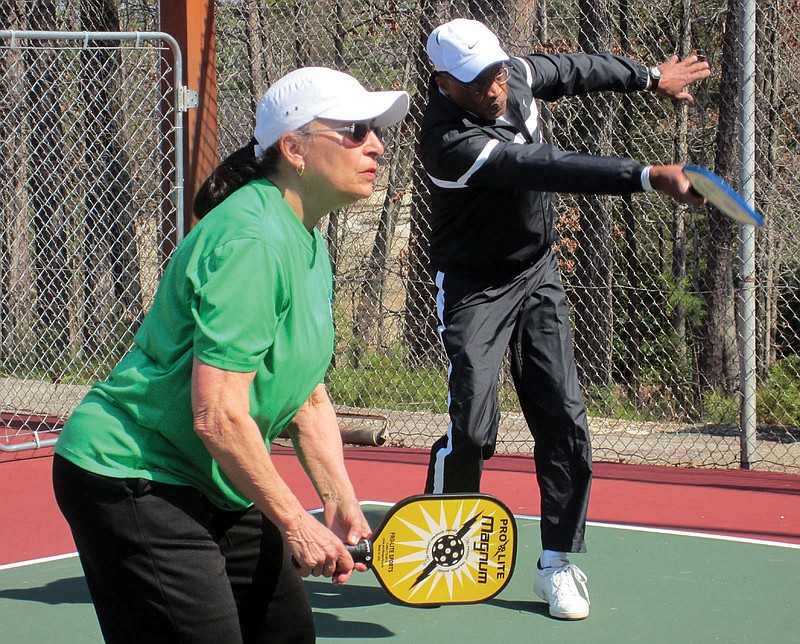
(778, 399)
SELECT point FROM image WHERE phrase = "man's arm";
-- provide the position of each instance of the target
(559, 75)
(546, 168)
(471, 158)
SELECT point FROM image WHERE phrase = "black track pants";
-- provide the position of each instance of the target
(527, 314)
(164, 565)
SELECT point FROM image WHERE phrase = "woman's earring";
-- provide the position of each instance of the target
(301, 169)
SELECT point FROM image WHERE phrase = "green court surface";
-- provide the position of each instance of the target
(646, 586)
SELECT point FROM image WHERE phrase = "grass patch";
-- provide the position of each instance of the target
(385, 382)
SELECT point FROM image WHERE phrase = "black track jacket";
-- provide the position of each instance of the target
(489, 180)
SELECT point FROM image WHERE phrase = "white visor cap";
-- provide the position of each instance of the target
(319, 92)
(464, 48)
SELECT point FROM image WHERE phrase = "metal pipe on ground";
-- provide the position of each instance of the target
(360, 428)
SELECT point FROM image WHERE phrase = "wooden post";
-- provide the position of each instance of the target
(191, 23)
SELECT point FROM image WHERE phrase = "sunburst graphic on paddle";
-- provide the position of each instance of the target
(444, 549)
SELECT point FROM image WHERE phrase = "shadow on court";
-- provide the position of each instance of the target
(645, 587)
(61, 591)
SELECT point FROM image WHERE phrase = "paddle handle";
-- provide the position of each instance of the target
(361, 552)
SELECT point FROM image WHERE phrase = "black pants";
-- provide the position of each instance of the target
(165, 565)
(480, 319)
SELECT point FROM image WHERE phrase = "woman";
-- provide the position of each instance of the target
(185, 530)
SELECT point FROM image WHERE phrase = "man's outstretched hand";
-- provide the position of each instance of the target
(671, 180)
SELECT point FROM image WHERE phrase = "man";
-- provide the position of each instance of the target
(497, 277)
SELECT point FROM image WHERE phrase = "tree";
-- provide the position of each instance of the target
(47, 186)
(17, 282)
(593, 312)
(631, 366)
(770, 236)
(113, 290)
(420, 329)
(369, 314)
(717, 353)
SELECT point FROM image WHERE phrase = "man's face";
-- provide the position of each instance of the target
(486, 96)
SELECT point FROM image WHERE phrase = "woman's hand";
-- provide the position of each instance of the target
(347, 520)
(317, 551)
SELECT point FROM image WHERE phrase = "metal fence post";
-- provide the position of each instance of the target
(747, 244)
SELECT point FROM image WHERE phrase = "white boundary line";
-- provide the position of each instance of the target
(597, 524)
(698, 535)
(31, 562)
(637, 528)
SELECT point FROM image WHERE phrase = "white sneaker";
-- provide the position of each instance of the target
(557, 587)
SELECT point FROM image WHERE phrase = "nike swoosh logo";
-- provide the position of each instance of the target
(472, 46)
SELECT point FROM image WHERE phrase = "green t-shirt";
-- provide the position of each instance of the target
(248, 290)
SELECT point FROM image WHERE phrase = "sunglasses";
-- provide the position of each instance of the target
(482, 86)
(357, 132)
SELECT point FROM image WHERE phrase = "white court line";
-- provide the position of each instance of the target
(699, 535)
(598, 524)
(637, 528)
(30, 562)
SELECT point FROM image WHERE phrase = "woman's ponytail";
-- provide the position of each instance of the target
(237, 170)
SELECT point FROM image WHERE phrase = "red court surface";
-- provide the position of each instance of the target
(739, 504)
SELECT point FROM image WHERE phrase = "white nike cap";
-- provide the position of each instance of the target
(319, 92)
(464, 48)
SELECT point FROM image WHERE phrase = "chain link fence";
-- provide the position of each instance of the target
(655, 288)
(88, 176)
